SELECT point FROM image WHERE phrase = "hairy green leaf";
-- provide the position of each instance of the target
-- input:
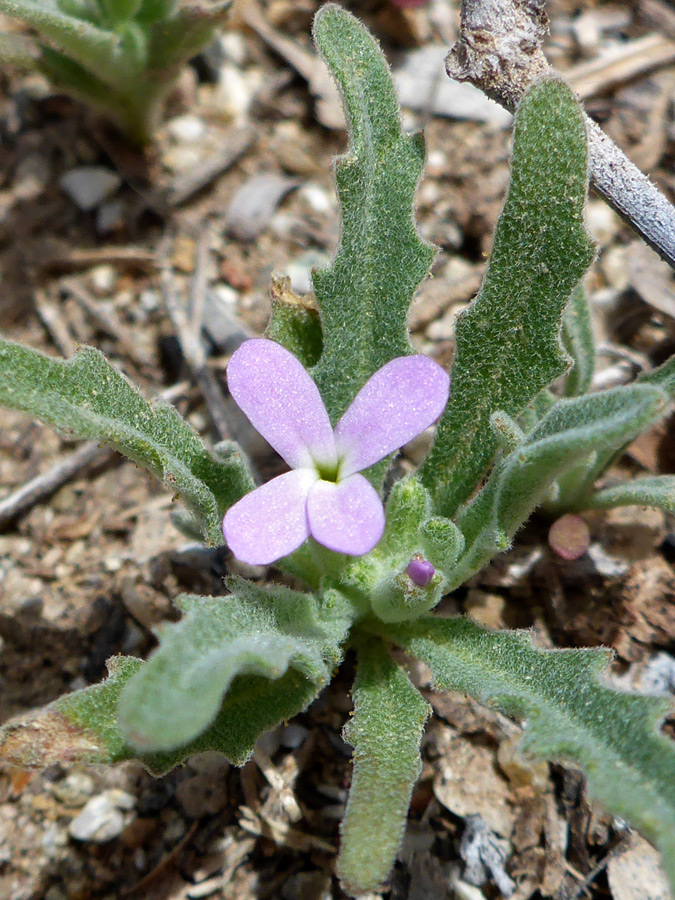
(578, 340)
(385, 731)
(82, 727)
(569, 714)
(365, 294)
(92, 47)
(87, 398)
(120, 56)
(508, 341)
(179, 36)
(254, 631)
(657, 491)
(572, 430)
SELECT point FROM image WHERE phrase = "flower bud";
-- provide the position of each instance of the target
(420, 571)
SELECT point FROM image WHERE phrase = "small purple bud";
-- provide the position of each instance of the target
(421, 572)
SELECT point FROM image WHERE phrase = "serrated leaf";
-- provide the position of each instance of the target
(508, 341)
(365, 294)
(657, 491)
(82, 727)
(88, 398)
(569, 714)
(571, 430)
(254, 631)
(385, 731)
(577, 335)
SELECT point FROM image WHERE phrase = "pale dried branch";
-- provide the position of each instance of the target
(500, 51)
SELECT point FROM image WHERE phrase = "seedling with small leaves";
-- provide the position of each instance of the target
(369, 568)
(121, 56)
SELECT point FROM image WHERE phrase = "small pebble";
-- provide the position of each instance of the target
(110, 216)
(102, 280)
(293, 736)
(569, 537)
(318, 200)
(98, 822)
(186, 129)
(87, 186)
(149, 300)
(120, 799)
(182, 158)
(75, 789)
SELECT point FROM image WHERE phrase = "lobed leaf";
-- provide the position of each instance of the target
(82, 727)
(569, 714)
(365, 293)
(571, 431)
(177, 694)
(508, 341)
(87, 398)
(386, 732)
(657, 491)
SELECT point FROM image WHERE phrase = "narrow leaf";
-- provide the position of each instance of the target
(178, 692)
(385, 731)
(572, 430)
(87, 398)
(569, 714)
(508, 341)
(365, 294)
(658, 491)
(82, 727)
(578, 340)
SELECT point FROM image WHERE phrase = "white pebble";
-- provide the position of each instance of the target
(102, 280)
(87, 186)
(186, 129)
(318, 200)
(99, 821)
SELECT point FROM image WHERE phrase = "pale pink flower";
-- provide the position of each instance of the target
(323, 495)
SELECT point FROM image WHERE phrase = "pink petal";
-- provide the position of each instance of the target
(271, 521)
(346, 517)
(278, 396)
(395, 405)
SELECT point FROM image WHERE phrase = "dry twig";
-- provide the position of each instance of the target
(500, 51)
(188, 327)
(44, 485)
(47, 483)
